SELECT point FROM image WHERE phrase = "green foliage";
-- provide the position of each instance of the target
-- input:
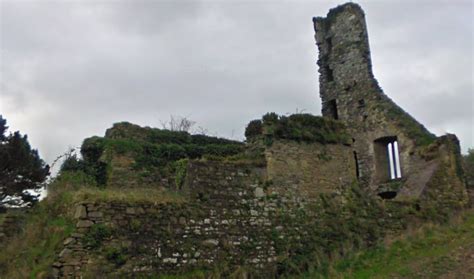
(158, 136)
(154, 151)
(96, 235)
(72, 163)
(407, 123)
(70, 181)
(32, 252)
(123, 146)
(333, 227)
(468, 163)
(430, 251)
(254, 129)
(21, 168)
(134, 133)
(117, 256)
(135, 225)
(298, 127)
(92, 150)
(180, 172)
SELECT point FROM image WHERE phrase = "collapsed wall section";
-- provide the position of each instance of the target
(226, 219)
(388, 142)
(242, 216)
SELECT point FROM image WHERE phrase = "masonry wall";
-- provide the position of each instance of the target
(305, 170)
(238, 214)
(348, 86)
(226, 219)
(11, 224)
(232, 214)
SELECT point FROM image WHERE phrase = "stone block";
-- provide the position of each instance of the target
(210, 242)
(259, 193)
(95, 214)
(68, 241)
(84, 224)
(80, 212)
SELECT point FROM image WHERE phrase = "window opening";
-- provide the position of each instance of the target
(356, 165)
(388, 195)
(387, 159)
(331, 108)
(329, 75)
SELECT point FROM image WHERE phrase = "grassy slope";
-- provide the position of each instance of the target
(430, 252)
(32, 253)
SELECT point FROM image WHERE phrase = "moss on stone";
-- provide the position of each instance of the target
(180, 172)
(299, 127)
(407, 123)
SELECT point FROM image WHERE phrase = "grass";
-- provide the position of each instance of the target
(2, 218)
(32, 252)
(80, 187)
(430, 252)
(298, 127)
(135, 195)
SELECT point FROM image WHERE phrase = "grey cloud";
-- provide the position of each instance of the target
(70, 69)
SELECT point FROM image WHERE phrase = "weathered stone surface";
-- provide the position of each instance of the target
(65, 252)
(80, 212)
(239, 211)
(350, 93)
(210, 242)
(84, 224)
(95, 214)
(68, 241)
(259, 193)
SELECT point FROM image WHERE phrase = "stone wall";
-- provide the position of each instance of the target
(227, 218)
(122, 173)
(238, 214)
(350, 93)
(11, 224)
(305, 170)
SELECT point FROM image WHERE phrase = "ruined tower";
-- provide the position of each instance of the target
(388, 143)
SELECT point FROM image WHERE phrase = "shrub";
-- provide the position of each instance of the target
(96, 235)
(70, 181)
(92, 149)
(72, 163)
(298, 127)
(117, 256)
(254, 129)
(153, 150)
(180, 173)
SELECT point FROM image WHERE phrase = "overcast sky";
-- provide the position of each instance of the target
(69, 69)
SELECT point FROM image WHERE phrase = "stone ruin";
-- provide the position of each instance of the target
(395, 156)
(258, 215)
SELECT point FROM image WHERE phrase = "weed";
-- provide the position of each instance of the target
(96, 235)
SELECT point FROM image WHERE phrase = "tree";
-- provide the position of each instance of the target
(469, 167)
(178, 124)
(22, 171)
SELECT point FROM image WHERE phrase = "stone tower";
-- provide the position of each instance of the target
(388, 143)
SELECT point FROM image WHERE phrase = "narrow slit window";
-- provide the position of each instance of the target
(329, 43)
(329, 74)
(356, 165)
(331, 109)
